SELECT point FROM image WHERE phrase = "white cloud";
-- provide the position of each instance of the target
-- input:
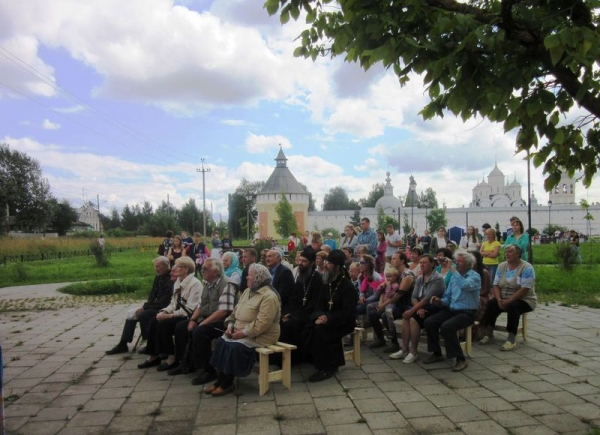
(261, 144)
(234, 122)
(49, 125)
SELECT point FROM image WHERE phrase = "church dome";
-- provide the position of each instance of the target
(496, 172)
(388, 201)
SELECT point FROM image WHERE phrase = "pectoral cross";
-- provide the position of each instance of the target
(330, 305)
(304, 300)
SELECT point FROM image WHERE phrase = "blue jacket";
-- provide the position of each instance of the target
(369, 238)
(463, 291)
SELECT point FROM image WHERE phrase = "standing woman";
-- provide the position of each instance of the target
(176, 250)
(254, 323)
(231, 267)
(470, 241)
(216, 246)
(490, 250)
(519, 237)
(381, 250)
(350, 239)
(440, 241)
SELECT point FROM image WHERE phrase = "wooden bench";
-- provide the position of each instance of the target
(354, 354)
(466, 345)
(265, 377)
(522, 329)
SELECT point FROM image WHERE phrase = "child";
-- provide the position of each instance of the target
(387, 309)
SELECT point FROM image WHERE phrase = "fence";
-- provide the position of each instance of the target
(42, 256)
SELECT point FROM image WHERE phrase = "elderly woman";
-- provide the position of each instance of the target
(513, 293)
(458, 308)
(231, 266)
(254, 323)
(186, 295)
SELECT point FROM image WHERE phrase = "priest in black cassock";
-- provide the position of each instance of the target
(303, 302)
(334, 317)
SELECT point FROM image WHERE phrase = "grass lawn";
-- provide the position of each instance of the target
(578, 287)
(130, 264)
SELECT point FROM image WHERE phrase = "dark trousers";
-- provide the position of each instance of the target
(448, 322)
(129, 328)
(160, 336)
(323, 345)
(387, 316)
(202, 337)
(514, 310)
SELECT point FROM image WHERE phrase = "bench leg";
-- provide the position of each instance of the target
(286, 367)
(356, 356)
(263, 374)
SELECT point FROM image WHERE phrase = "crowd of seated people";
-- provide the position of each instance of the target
(317, 304)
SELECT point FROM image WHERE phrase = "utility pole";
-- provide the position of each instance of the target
(98, 203)
(204, 171)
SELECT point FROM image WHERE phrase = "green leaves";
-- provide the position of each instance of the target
(474, 64)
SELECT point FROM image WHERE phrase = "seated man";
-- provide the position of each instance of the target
(458, 310)
(159, 297)
(305, 296)
(206, 322)
(514, 292)
(333, 318)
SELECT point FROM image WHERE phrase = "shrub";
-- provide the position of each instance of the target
(127, 286)
(20, 272)
(563, 254)
(101, 254)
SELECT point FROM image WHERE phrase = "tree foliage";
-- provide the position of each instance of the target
(525, 65)
(286, 221)
(311, 200)
(428, 199)
(337, 199)
(373, 196)
(437, 218)
(242, 201)
(24, 191)
(63, 216)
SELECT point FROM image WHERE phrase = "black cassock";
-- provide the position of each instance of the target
(323, 343)
(302, 304)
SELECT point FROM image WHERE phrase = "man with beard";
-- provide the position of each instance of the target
(334, 317)
(303, 302)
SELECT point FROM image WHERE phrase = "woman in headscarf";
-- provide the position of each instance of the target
(231, 266)
(254, 323)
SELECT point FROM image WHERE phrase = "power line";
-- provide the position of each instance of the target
(73, 97)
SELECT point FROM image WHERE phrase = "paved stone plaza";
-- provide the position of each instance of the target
(58, 380)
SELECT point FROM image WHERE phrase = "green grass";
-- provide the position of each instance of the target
(546, 254)
(131, 264)
(577, 287)
(130, 288)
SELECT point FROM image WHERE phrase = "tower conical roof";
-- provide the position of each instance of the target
(282, 179)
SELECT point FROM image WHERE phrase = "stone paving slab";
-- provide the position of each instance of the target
(59, 381)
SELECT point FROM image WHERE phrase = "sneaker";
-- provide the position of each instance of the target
(410, 358)
(485, 340)
(433, 358)
(508, 346)
(460, 365)
(401, 354)
(392, 347)
(376, 344)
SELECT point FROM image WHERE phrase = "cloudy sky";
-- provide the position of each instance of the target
(123, 99)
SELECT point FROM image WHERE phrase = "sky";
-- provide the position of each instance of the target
(121, 100)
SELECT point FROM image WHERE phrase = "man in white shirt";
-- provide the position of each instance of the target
(393, 240)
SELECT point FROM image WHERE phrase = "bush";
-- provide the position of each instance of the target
(563, 254)
(101, 254)
(20, 272)
(127, 286)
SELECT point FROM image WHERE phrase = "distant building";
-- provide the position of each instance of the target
(88, 215)
(281, 182)
(497, 192)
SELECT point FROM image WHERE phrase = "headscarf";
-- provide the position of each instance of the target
(234, 266)
(262, 276)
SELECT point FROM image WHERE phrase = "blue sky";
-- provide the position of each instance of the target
(122, 99)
